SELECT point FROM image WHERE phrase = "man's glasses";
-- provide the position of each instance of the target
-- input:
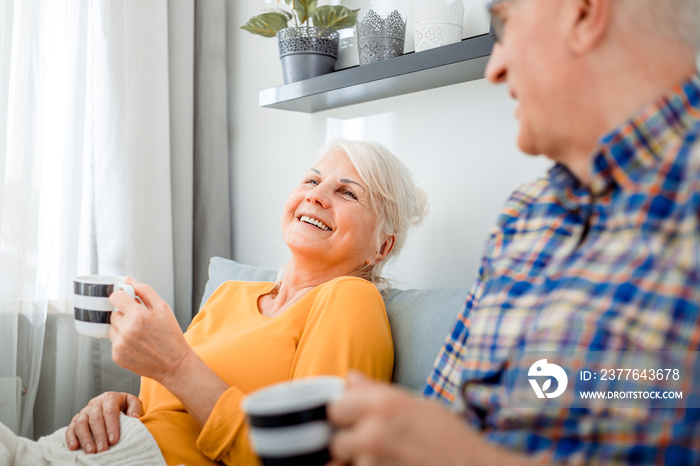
(496, 21)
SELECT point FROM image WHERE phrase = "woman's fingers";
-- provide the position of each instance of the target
(82, 433)
(111, 406)
(98, 429)
(145, 295)
(134, 407)
(96, 426)
(71, 438)
(122, 402)
(122, 301)
(148, 296)
(149, 343)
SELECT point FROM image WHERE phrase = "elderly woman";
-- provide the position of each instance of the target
(349, 214)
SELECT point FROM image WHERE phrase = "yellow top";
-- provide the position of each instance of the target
(337, 326)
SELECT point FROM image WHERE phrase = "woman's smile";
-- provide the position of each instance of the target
(315, 222)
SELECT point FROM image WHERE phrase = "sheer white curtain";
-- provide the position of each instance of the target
(99, 173)
(42, 71)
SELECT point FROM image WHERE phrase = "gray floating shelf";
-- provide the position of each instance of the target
(441, 66)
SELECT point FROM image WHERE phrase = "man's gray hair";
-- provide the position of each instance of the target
(679, 19)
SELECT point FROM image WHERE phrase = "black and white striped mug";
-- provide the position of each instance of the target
(288, 423)
(92, 309)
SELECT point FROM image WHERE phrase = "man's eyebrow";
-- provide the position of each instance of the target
(315, 170)
(345, 180)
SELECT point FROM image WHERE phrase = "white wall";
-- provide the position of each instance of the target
(459, 141)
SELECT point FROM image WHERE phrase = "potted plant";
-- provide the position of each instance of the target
(307, 35)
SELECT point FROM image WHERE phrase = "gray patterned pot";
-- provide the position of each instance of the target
(380, 38)
(306, 52)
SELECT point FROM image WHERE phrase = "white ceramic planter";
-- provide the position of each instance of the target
(437, 23)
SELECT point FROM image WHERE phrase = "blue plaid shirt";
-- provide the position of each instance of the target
(612, 267)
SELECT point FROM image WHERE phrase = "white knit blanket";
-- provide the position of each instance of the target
(136, 447)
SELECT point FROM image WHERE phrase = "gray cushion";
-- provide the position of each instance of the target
(420, 319)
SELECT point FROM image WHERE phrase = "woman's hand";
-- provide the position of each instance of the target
(146, 338)
(96, 427)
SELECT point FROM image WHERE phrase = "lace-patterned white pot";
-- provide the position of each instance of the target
(437, 23)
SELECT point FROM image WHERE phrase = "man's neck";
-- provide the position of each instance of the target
(642, 86)
(621, 86)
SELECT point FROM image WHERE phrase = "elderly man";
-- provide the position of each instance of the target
(598, 258)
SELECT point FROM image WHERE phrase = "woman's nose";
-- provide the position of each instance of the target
(318, 195)
(496, 71)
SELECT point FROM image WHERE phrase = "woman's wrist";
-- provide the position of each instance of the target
(180, 368)
(195, 385)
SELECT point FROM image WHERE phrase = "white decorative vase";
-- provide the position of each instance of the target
(437, 23)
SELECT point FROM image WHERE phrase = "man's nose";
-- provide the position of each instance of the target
(496, 71)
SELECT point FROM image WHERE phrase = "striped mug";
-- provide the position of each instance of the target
(92, 309)
(288, 424)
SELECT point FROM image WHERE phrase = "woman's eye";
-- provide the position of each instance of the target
(349, 194)
(311, 181)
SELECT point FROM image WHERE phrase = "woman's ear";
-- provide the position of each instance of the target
(384, 250)
(588, 22)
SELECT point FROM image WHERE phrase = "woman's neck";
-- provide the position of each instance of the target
(297, 281)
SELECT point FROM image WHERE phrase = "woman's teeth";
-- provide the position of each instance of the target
(313, 221)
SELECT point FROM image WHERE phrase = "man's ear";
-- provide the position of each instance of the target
(385, 249)
(588, 22)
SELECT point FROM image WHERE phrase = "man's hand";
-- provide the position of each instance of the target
(381, 425)
(96, 427)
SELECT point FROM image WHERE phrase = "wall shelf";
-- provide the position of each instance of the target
(413, 72)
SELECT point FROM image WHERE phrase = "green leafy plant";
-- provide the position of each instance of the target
(301, 13)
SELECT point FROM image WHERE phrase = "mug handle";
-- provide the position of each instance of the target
(129, 290)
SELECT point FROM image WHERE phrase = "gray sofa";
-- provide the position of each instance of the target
(420, 320)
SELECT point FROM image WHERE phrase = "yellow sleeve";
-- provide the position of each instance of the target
(225, 437)
(347, 328)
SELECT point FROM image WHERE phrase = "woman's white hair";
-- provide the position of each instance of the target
(394, 196)
(678, 19)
